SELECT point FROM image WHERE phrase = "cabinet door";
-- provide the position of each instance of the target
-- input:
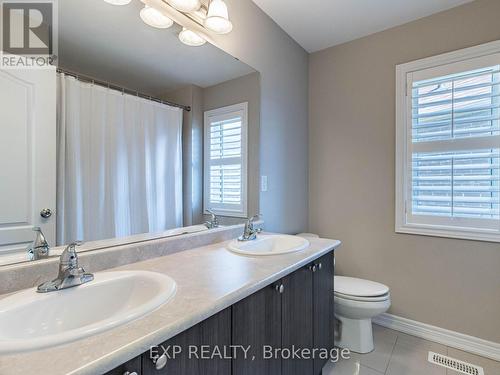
(297, 319)
(257, 322)
(132, 366)
(211, 333)
(323, 317)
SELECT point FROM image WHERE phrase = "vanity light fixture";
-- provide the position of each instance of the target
(218, 18)
(204, 16)
(186, 6)
(191, 38)
(153, 18)
(118, 2)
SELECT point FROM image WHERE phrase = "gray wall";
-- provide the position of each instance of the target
(239, 90)
(283, 65)
(454, 284)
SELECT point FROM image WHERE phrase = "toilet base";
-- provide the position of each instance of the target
(355, 335)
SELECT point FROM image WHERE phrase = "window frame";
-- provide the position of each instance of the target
(406, 74)
(242, 110)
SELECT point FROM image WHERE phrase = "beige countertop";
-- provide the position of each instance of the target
(209, 279)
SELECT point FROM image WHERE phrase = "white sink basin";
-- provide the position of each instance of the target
(30, 320)
(269, 244)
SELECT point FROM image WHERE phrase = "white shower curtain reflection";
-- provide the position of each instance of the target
(119, 163)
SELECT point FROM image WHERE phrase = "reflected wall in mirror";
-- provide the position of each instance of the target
(136, 133)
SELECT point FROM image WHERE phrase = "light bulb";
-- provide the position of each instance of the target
(154, 18)
(185, 5)
(118, 2)
(217, 18)
(191, 38)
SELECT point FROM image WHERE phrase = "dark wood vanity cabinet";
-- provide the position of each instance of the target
(256, 321)
(297, 319)
(211, 333)
(323, 308)
(296, 311)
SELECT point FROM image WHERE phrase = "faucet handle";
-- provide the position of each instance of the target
(249, 232)
(214, 215)
(69, 256)
(250, 221)
(253, 218)
(214, 220)
(40, 238)
(39, 248)
(71, 247)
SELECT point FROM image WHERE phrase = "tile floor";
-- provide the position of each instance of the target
(397, 353)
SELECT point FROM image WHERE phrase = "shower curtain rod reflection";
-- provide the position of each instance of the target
(84, 78)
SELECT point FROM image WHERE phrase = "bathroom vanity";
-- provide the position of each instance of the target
(222, 300)
(296, 310)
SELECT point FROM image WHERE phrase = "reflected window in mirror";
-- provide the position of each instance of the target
(225, 162)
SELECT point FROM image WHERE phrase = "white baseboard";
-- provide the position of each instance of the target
(471, 344)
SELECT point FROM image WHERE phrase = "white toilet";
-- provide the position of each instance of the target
(357, 301)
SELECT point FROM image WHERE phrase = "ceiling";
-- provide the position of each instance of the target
(111, 43)
(319, 24)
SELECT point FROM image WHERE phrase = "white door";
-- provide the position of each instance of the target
(27, 156)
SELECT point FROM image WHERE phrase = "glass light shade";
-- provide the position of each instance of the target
(190, 38)
(154, 18)
(118, 2)
(217, 18)
(185, 5)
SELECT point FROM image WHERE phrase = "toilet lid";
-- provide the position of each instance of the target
(358, 287)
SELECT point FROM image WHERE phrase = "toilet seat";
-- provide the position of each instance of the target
(383, 297)
(354, 288)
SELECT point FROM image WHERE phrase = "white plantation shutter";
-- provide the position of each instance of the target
(452, 169)
(225, 185)
(462, 183)
(456, 184)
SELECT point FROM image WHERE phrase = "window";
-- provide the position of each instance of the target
(448, 145)
(225, 180)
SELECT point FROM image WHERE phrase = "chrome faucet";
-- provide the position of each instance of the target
(70, 273)
(39, 248)
(250, 233)
(214, 220)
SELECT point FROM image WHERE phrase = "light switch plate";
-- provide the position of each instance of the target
(263, 183)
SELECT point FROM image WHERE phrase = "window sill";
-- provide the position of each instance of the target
(448, 232)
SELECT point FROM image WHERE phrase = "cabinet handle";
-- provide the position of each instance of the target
(320, 266)
(160, 362)
(280, 288)
(313, 268)
(129, 373)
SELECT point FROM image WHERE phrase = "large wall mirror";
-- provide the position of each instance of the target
(135, 136)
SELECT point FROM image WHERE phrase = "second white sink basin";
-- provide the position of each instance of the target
(269, 244)
(30, 320)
